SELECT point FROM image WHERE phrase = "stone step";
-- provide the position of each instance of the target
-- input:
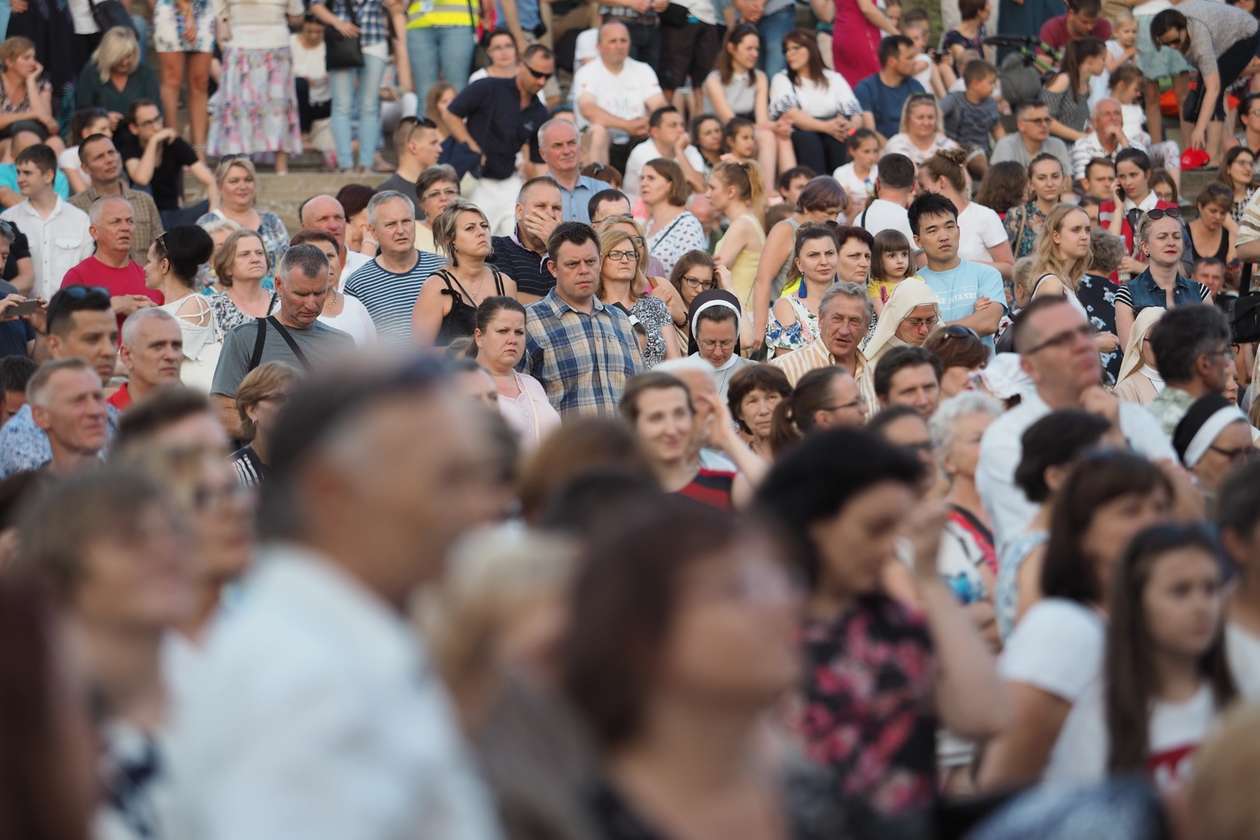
(283, 194)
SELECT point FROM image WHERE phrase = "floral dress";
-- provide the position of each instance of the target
(1098, 295)
(1006, 594)
(169, 27)
(866, 706)
(653, 316)
(1023, 226)
(1240, 206)
(796, 335)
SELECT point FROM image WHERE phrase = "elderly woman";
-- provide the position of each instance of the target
(25, 97)
(1138, 380)
(922, 132)
(672, 230)
(255, 108)
(623, 284)
(241, 264)
(1213, 437)
(436, 189)
(175, 259)
(754, 393)
(238, 194)
(962, 353)
(447, 306)
(261, 395)
(1162, 284)
(909, 317)
(114, 79)
(498, 343)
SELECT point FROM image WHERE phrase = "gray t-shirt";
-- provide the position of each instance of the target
(1011, 147)
(1213, 27)
(318, 343)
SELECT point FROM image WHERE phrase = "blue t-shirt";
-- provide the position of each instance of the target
(884, 102)
(8, 178)
(960, 287)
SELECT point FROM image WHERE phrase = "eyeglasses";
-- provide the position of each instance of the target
(542, 77)
(1243, 453)
(696, 282)
(449, 192)
(622, 256)
(712, 344)
(1064, 339)
(920, 323)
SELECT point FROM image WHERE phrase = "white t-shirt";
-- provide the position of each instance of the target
(924, 78)
(639, 156)
(821, 101)
(1243, 650)
(979, 230)
(1058, 647)
(354, 321)
(69, 160)
(857, 188)
(623, 94)
(1176, 730)
(881, 214)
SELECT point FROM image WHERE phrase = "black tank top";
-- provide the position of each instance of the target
(462, 319)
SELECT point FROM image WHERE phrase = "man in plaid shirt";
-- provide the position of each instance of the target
(581, 350)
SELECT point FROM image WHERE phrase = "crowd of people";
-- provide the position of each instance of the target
(750, 420)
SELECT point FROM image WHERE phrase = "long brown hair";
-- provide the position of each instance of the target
(1132, 684)
(814, 70)
(725, 64)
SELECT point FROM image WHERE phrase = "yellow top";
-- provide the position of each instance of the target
(744, 271)
(422, 14)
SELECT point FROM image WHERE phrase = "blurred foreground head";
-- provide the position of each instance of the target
(379, 466)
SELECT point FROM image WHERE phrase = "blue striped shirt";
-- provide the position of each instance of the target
(390, 297)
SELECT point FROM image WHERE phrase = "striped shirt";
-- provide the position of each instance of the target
(582, 360)
(390, 297)
(816, 355)
(712, 488)
(250, 470)
(528, 269)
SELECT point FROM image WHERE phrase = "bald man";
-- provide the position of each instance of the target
(111, 225)
(323, 212)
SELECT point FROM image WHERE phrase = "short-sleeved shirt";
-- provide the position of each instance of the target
(390, 297)
(1054, 31)
(167, 183)
(969, 123)
(499, 124)
(1011, 147)
(623, 94)
(527, 268)
(1213, 28)
(14, 336)
(397, 183)
(128, 280)
(981, 229)
(960, 287)
(318, 344)
(884, 102)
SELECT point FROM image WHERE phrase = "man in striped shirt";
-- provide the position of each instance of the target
(389, 285)
(843, 317)
(523, 255)
(581, 350)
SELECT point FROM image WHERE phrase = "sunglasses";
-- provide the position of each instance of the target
(80, 293)
(1171, 213)
(542, 77)
(958, 331)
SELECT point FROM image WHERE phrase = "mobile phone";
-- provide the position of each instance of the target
(26, 307)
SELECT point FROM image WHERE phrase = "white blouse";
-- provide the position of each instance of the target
(821, 100)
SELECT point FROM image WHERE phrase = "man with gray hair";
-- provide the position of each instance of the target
(112, 225)
(559, 145)
(1104, 141)
(324, 212)
(844, 313)
(152, 351)
(389, 284)
(293, 335)
(68, 404)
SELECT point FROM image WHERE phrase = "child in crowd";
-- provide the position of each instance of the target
(1164, 187)
(859, 174)
(741, 141)
(970, 34)
(916, 26)
(1126, 88)
(790, 184)
(971, 117)
(890, 264)
(1166, 674)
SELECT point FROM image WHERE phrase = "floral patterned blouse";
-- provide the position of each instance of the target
(1023, 226)
(795, 336)
(1098, 295)
(651, 314)
(683, 234)
(275, 236)
(1240, 206)
(867, 711)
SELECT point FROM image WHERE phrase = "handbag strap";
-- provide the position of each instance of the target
(288, 339)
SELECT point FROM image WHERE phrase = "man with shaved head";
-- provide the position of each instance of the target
(323, 212)
(112, 227)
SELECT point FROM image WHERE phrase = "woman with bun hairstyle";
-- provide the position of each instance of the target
(982, 238)
(175, 258)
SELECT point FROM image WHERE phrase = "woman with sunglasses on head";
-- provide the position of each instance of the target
(921, 134)
(623, 284)
(1053, 662)
(962, 353)
(1161, 243)
(821, 200)
(817, 102)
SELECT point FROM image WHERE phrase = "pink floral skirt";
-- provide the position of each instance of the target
(255, 107)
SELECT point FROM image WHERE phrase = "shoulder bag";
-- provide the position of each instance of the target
(1246, 320)
(260, 342)
(340, 52)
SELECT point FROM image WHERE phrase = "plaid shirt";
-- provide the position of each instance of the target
(583, 361)
(370, 17)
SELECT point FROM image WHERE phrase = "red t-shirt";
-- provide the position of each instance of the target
(120, 399)
(1054, 31)
(128, 280)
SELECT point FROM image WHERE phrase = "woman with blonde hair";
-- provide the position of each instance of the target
(259, 398)
(922, 131)
(448, 310)
(237, 181)
(115, 77)
(241, 264)
(1063, 255)
(622, 283)
(255, 107)
(1139, 382)
(736, 192)
(25, 96)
